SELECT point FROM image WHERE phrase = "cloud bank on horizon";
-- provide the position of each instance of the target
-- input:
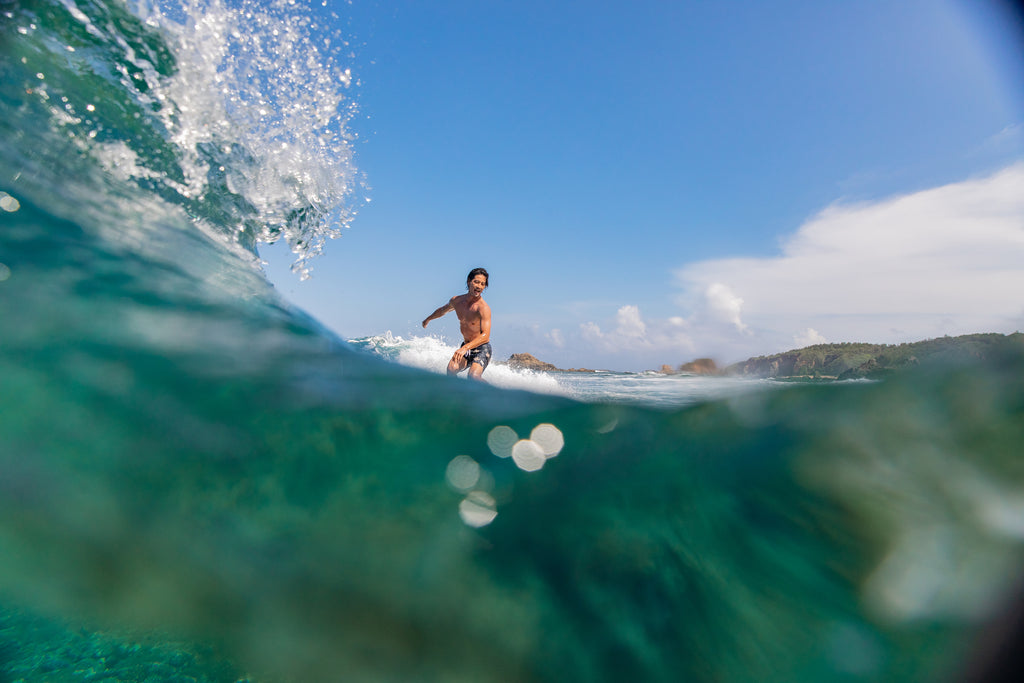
(945, 260)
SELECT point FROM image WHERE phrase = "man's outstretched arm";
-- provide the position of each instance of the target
(438, 313)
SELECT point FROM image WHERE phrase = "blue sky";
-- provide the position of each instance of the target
(652, 182)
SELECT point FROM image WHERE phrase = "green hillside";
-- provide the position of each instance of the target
(856, 360)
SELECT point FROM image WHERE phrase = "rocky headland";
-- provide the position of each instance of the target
(872, 361)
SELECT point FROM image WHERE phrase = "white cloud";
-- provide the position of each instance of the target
(631, 333)
(947, 260)
(591, 331)
(722, 304)
(629, 324)
(808, 337)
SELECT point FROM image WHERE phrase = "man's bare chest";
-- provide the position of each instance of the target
(468, 311)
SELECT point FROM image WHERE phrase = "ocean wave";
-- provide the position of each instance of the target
(432, 353)
(236, 113)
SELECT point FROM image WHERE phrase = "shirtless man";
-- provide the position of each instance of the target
(474, 321)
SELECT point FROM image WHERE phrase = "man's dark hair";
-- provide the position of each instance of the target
(478, 271)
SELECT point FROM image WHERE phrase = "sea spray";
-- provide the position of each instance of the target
(238, 113)
(263, 107)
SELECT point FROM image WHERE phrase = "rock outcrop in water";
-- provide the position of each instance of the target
(700, 366)
(526, 361)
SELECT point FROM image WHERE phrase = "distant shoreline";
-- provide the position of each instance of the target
(849, 360)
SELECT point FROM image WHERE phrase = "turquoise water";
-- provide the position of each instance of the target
(199, 483)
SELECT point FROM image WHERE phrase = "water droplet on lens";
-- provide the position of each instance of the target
(501, 439)
(549, 438)
(462, 473)
(478, 509)
(9, 203)
(528, 456)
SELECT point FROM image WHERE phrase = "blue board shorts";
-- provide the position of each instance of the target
(480, 355)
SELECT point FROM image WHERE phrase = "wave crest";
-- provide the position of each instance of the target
(237, 113)
(260, 112)
(432, 354)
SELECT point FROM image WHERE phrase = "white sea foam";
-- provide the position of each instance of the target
(538, 382)
(432, 353)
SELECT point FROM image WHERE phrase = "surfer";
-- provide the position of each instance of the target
(475, 322)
